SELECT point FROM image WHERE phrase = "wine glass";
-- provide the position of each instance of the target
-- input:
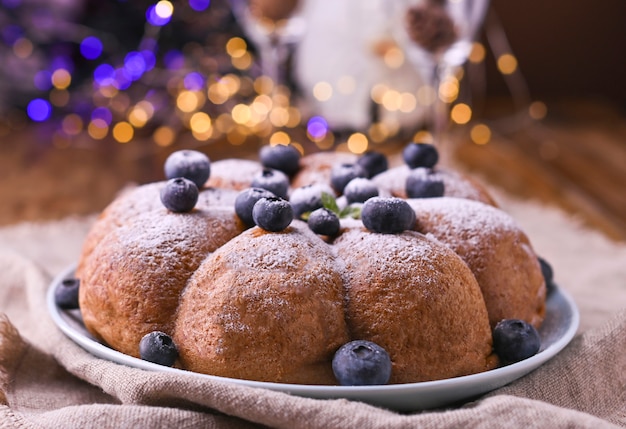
(437, 36)
(272, 26)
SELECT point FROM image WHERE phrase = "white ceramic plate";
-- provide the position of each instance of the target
(557, 331)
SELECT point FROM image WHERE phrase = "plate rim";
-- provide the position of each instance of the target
(375, 395)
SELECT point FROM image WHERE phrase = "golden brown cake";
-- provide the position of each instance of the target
(243, 302)
(496, 250)
(418, 300)
(265, 306)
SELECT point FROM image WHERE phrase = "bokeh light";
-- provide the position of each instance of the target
(91, 47)
(160, 14)
(39, 110)
(199, 5)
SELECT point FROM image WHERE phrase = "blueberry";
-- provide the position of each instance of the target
(324, 222)
(515, 340)
(245, 201)
(190, 164)
(272, 214)
(179, 195)
(373, 162)
(361, 363)
(387, 215)
(424, 183)
(420, 155)
(158, 347)
(66, 294)
(341, 174)
(308, 198)
(548, 273)
(285, 158)
(360, 190)
(274, 181)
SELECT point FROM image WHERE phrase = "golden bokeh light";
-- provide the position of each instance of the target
(507, 64)
(461, 113)
(357, 143)
(61, 78)
(423, 136)
(391, 100)
(394, 57)
(378, 132)
(164, 136)
(218, 93)
(478, 53)
(138, 117)
(23, 48)
(123, 132)
(72, 124)
(97, 129)
(480, 134)
(241, 113)
(408, 102)
(243, 62)
(280, 137)
(188, 101)
(279, 117)
(236, 47)
(449, 89)
(322, 91)
(537, 110)
(200, 123)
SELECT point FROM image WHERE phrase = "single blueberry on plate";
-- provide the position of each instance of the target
(515, 340)
(245, 201)
(548, 273)
(361, 363)
(158, 347)
(387, 215)
(273, 180)
(190, 164)
(179, 195)
(342, 174)
(273, 214)
(308, 198)
(373, 162)
(424, 183)
(359, 190)
(285, 158)
(66, 294)
(420, 155)
(324, 222)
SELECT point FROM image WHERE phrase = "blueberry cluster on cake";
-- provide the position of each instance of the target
(327, 268)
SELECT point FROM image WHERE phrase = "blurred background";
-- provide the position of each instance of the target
(95, 94)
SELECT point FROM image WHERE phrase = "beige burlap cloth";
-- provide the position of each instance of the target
(47, 381)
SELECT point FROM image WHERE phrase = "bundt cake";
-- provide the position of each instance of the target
(333, 281)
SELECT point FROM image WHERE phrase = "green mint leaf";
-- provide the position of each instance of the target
(351, 211)
(329, 202)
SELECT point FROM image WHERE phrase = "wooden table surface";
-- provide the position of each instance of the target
(574, 159)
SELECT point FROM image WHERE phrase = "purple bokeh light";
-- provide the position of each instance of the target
(194, 81)
(39, 110)
(153, 17)
(43, 80)
(199, 5)
(102, 113)
(317, 127)
(91, 47)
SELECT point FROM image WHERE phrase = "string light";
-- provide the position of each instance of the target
(217, 93)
